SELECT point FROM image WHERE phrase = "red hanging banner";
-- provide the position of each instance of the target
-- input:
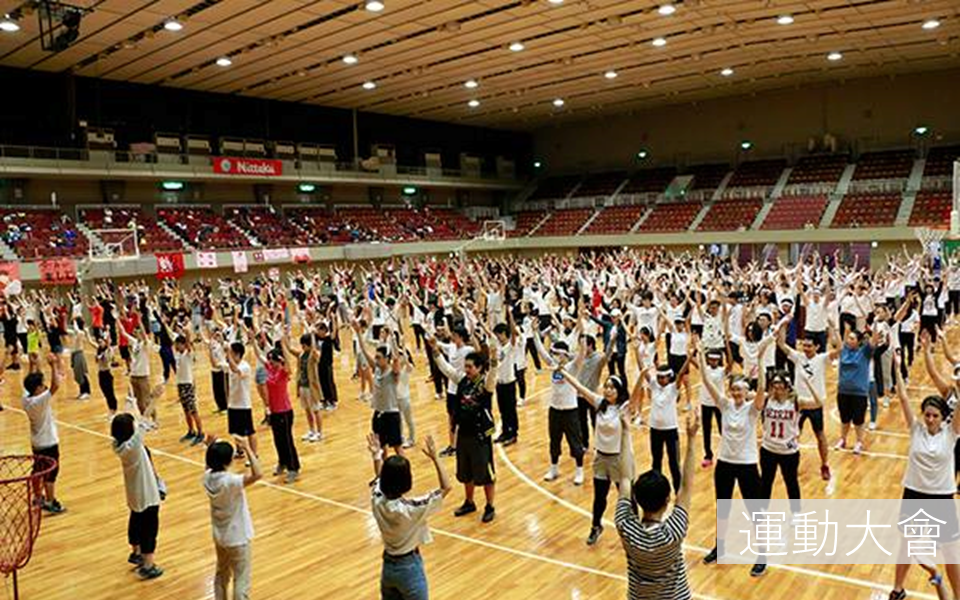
(58, 271)
(261, 167)
(170, 265)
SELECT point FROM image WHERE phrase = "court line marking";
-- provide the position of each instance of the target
(361, 511)
(804, 571)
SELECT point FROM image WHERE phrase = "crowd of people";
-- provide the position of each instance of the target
(621, 334)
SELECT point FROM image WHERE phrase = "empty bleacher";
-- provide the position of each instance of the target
(600, 184)
(565, 222)
(36, 234)
(731, 215)
(268, 226)
(758, 173)
(795, 212)
(525, 221)
(649, 181)
(671, 216)
(893, 164)
(202, 228)
(818, 168)
(553, 188)
(867, 210)
(940, 161)
(150, 236)
(616, 219)
(707, 177)
(932, 209)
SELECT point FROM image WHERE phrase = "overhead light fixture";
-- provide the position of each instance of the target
(666, 9)
(350, 59)
(473, 103)
(516, 47)
(369, 85)
(931, 24)
(921, 130)
(785, 20)
(409, 190)
(9, 25)
(558, 102)
(659, 42)
(374, 6)
(173, 25)
(746, 145)
(307, 188)
(727, 72)
(172, 186)
(834, 56)
(611, 74)
(642, 154)
(223, 61)
(470, 84)
(537, 164)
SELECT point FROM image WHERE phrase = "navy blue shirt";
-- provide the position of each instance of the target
(854, 376)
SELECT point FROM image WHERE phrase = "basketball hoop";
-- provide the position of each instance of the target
(930, 239)
(21, 483)
(114, 244)
(493, 231)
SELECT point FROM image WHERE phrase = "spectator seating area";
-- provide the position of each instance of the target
(940, 161)
(867, 210)
(650, 181)
(932, 209)
(150, 236)
(671, 216)
(268, 227)
(819, 168)
(565, 222)
(616, 219)
(525, 221)
(35, 234)
(758, 173)
(893, 164)
(707, 177)
(600, 184)
(795, 212)
(731, 215)
(553, 188)
(203, 229)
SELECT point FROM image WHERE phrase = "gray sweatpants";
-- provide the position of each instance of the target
(235, 563)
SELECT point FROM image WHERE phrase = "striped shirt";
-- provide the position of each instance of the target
(654, 554)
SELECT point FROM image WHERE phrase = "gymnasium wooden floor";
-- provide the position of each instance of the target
(316, 539)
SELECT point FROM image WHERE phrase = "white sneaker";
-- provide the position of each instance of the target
(552, 473)
(409, 444)
(872, 426)
(857, 448)
(521, 401)
(886, 402)
(578, 478)
(307, 437)
(318, 436)
(688, 407)
(83, 396)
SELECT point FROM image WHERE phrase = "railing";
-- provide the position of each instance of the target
(942, 183)
(809, 189)
(738, 193)
(881, 186)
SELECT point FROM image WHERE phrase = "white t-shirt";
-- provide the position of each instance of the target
(930, 460)
(239, 387)
(678, 343)
(43, 429)
(609, 428)
(738, 444)
(663, 404)
(505, 367)
(184, 362)
(403, 521)
(229, 513)
(564, 395)
(813, 370)
(456, 357)
(139, 478)
(715, 375)
(139, 359)
(816, 316)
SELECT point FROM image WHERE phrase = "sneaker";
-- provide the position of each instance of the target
(841, 444)
(825, 472)
(54, 507)
(936, 580)
(279, 471)
(858, 448)
(83, 396)
(149, 572)
(521, 401)
(265, 420)
(499, 439)
(465, 509)
(897, 595)
(688, 407)
(489, 514)
(409, 444)
(509, 441)
(317, 436)
(758, 569)
(886, 402)
(578, 477)
(872, 426)
(595, 532)
(135, 559)
(707, 463)
(710, 558)
(197, 439)
(448, 451)
(307, 437)
(188, 436)
(292, 476)
(552, 473)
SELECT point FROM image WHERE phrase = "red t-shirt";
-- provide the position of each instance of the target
(96, 315)
(278, 394)
(129, 324)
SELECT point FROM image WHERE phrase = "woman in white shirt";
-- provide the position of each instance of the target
(611, 424)
(662, 386)
(929, 476)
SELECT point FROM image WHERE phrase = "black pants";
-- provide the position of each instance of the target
(586, 412)
(532, 349)
(671, 439)
(789, 465)
(219, 389)
(521, 382)
(439, 381)
(953, 302)
(105, 379)
(142, 529)
(929, 324)
(564, 423)
(882, 385)
(727, 475)
(507, 403)
(418, 334)
(84, 385)
(601, 487)
(707, 414)
(328, 385)
(618, 366)
(168, 361)
(907, 343)
(282, 426)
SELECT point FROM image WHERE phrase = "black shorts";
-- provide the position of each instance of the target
(387, 427)
(452, 402)
(240, 421)
(51, 452)
(676, 362)
(816, 418)
(697, 329)
(475, 460)
(950, 528)
(125, 352)
(853, 409)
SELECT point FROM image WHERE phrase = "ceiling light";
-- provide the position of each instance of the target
(223, 61)
(727, 72)
(307, 188)
(666, 9)
(785, 20)
(374, 6)
(611, 74)
(350, 59)
(172, 186)
(834, 56)
(558, 102)
(369, 85)
(470, 84)
(9, 25)
(931, 24)
(173, 25)
(746, 145)
(516, 47)
(659, 42)
(537, 164)
(642, 154)
(921, 130)
(473, 103)
(409, 190)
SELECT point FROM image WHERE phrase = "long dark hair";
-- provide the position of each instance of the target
(622, 394)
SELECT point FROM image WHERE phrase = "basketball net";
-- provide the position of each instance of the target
(931, 240)
(21, 490)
